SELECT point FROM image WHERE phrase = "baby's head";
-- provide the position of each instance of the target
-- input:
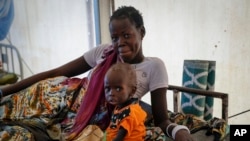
(119, 83)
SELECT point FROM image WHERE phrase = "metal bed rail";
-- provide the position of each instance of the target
(11, 59)
(223, 96)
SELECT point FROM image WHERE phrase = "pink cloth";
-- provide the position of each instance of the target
(94, 96)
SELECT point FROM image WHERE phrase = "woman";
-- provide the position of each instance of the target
(127, 32)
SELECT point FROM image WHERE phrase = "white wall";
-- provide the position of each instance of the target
(49, 33)
(216, 30)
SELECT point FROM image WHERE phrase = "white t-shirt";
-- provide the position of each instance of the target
(151, 73)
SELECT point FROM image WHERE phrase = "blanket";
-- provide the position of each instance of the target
(41, 111)
(48, 108)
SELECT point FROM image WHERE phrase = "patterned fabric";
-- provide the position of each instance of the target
(15, 133)
(199, 74)
(209, 106)
(100, 111)
(45, 110)
(34, 113)
(215, 127)
(154, 134)
(195, 73)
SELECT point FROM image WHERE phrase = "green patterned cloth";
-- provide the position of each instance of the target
(208, 112)
(198, 74)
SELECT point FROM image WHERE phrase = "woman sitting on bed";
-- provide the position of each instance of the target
(127, 32)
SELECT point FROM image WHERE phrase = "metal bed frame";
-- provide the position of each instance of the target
(223, 96)
(11, 60)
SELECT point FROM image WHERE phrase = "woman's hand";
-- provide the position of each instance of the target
(183, 135)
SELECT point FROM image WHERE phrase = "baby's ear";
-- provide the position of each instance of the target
(133, 90)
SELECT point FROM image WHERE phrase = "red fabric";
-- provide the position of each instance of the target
(94, 95)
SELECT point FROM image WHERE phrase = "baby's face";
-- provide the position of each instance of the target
(117, 88)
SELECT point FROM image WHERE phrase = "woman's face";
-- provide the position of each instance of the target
(127, 40)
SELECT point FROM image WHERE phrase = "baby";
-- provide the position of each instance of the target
(127, 121)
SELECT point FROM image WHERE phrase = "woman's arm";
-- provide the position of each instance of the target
(159, 107)
(160, 113)
(73, 68)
